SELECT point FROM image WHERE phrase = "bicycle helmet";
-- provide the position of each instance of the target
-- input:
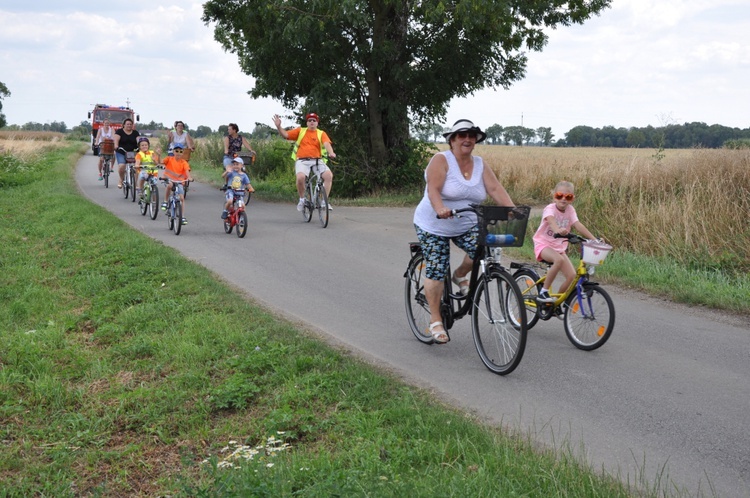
(143, 139)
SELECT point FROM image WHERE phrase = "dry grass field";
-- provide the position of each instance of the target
(689, 205)
(26, 144)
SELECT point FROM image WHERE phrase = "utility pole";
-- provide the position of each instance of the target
(521, 120)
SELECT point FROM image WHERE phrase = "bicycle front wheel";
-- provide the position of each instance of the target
(153, 205)
(417, 310)
(499, 341)
(590, 320)
(307, 211)
(241, 224)
(144, 200)
(177, 225)
(321, 203)
(105, 172)
(126, 185)
(132, 185)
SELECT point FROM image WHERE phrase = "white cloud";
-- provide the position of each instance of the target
(636, 64)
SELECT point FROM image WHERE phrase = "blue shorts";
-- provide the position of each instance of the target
(437, 251)
(179, 190)
(228, 160)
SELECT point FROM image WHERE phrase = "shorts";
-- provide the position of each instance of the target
(304, 165)
(145, 174)
(231, 194)
(437, 251)
(228, 160)
(179, 190)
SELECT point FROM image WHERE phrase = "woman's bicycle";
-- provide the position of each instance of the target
(149, 200)
(237, 215)
(316, 197)
(174, 208)
(584, 307)
(128, 184)
(107, 151)
(493, 300)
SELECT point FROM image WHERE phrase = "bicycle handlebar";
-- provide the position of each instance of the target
(519, 215)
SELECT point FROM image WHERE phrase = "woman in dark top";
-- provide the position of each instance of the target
(125, 138)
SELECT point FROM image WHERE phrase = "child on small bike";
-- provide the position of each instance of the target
(559, 217)
(146, 163)
(176, 171)
(236, 180)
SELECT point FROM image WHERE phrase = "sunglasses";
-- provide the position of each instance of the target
(567, 197)
(464, 134)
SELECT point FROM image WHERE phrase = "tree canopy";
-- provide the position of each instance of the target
(4, 92)
(369, 67)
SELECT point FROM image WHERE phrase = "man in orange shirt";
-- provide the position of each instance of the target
(311, 146)
(176, 170)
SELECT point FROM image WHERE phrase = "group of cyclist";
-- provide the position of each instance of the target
(312, 146)
(147, 160)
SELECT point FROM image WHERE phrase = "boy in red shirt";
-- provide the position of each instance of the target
(176, 170)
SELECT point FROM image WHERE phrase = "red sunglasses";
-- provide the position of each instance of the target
(567, 197)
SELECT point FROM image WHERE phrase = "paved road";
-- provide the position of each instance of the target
(671, 387)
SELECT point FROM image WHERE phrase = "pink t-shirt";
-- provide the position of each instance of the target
(544, 236)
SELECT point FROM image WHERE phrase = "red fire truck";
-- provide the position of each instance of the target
(116, 116)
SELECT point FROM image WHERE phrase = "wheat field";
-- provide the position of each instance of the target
(690, 205)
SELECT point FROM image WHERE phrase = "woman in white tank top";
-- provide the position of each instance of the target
(105, 132)
(455, 178)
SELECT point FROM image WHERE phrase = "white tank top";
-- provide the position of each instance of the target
(107, 134)
(179, 140)
(457, 193)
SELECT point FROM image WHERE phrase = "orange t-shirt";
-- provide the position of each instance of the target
(176, 169)
(309, 146)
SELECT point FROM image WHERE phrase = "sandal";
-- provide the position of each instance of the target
(462, 283)
(439, 336)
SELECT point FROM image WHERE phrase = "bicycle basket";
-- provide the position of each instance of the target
(107, 147)
(502, 226)
(594, 252)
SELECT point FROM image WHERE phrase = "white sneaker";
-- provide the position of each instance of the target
(323, 205)
(301, 205)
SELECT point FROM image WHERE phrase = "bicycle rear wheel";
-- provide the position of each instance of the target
(499, 341)
(589, 322)
(526, 280)
(321, 204)
(308, 209)
(126, 185)
(241, 224)
(177, 225)
(417, 310)
(153, 206)
(170, 214)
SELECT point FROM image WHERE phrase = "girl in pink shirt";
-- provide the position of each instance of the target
(557, 218)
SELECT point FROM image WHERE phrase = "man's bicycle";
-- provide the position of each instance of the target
(493, 300)
(237, 217)
(174, 208)
(107, 151)
(149, 200)
(316, 198)
(584, 307)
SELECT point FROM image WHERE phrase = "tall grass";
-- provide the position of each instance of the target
(690, 206)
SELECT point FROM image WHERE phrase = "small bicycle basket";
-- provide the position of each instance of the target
(593, 252)
(107, 147)
(502, 226)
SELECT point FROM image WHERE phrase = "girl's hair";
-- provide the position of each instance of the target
(126, 120)
(178, 122)
(564, 184)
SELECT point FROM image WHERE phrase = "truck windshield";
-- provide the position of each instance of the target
(116, 116)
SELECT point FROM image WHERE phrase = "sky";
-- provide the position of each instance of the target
(639, 63)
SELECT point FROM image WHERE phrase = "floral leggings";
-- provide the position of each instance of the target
(437, 251)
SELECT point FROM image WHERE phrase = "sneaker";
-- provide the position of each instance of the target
(163, 206)
(101, 178)
(224, 214)
(544, 297)
(184, 221)
(301, 205)
(323, 205)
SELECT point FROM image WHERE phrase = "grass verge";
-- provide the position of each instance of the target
(127, 370)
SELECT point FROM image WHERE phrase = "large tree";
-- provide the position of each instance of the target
(371, 66)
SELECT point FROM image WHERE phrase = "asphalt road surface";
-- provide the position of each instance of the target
(668, 397)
